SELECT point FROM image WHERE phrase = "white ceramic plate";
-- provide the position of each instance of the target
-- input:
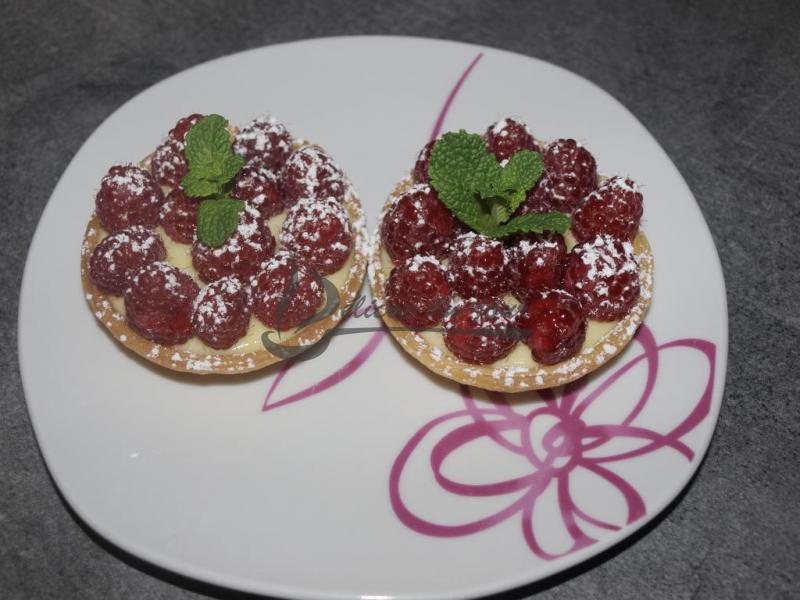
(381, 480)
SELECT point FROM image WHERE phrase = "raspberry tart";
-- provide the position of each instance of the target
(222, 245)
(508, 263)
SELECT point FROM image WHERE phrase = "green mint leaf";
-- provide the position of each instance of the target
(476, 189)
(515, 199)
(520, 174)
(459, 168)
(217, 220)
(231, 165)
(501, 210)
(532, 223)
(197, 187)
(210, 158)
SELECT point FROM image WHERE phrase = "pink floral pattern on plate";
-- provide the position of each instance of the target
(553, 441)
(556, 441)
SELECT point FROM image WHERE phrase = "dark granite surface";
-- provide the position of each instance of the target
(715, 82)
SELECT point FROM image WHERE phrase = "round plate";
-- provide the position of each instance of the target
(358, 473)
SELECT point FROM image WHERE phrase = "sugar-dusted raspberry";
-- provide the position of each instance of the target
(604, 276)
(120, 254)
(310, 172)
(128, 196)
(478, 267)
(319, 232)
(614, 209)
(221, 312)
(570, 173)
(168, 164)
(241, 254)
(480, 331)
(259, 186)
(158, 303)
(507, 137)
(179, 216)
(265, 138)
(418, 223)
(182, 127)
(423, 160)
(537, 261)
(418, 292)
(287, 291)
(553, 324)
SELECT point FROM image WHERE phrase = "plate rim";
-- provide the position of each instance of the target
(247, 584)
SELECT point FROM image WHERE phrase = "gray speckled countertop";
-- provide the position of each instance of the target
(716, 83)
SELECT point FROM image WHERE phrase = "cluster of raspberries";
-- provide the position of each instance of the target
(447, 276)
(278, 280)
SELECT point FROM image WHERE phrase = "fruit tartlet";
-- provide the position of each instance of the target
(508, 263)
(223, 243)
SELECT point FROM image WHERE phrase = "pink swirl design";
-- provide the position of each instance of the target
(569, 443)
(553, 442)
(376, 338)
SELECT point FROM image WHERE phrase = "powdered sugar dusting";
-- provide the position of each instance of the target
(263, 135)
(319, 231)
(310, 172)
(415, 262)
(212, 306)
(133, 180)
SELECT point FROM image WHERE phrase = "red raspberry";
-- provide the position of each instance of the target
(221, 312)
(169, 165)
(507, 137)
(570, 173)
(421, 166)
(318, 231)
(537, 261)
(287, 292)
(604, 275)
(418, 293)
(418, 223)
(241, 254)
(179, 216)
(264, 138)
(478, 267)
(158, 303)
(182, 127)
(116, 258)
(258, 185)
(169, 160)
(311, 173)
(480, 331)
(554, 325)
(614, 209)
(128, 196)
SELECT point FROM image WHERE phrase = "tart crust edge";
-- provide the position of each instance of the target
(217, 363)
(505, 378)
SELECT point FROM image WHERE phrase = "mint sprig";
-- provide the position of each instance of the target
(482, 193)
(212, 166)
(217, 220)
(211, 160)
